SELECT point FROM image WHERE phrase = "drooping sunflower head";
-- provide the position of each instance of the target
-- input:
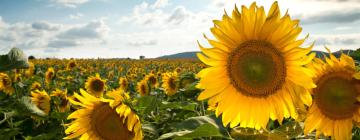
(6, 84)
(110, 74)
(17, 77)
(97, 119)
(41, 99)
(256, 60)
(119, 95)
(170, 83)
(336, 98)
(152, 80)
(95, 85)
(35, 86)
(31, 70)
(123, 82)
(49, 75)
(143, 88)
(178, 70)
(64, 104)
(72, 64)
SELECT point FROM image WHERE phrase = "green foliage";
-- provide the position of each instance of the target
(15, 59)
(356, 55)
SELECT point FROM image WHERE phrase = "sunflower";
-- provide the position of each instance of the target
(170, 83)
(95, 85)
(63, 105)
(72, 64)
(119, 95)
(17, 77)
(6, 84)
(124, 84)
(143, 88)
(42, 100)
(49, 75)
(100, 119)
(30, 71)
(336, 98)
(152, 80)
(35, 86)
(255, 65)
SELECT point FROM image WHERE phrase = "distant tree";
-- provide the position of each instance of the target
(31, 57)
(356, 54)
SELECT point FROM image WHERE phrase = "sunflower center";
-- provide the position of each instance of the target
(109, 125)
(336, 94)
(72, 65)
(6, 82)
(171, 83)
(143, 88)
(124, 83)
(97, 85)
(152, 80)
(256, 68)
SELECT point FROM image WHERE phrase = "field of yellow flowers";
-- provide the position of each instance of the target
(36, 102)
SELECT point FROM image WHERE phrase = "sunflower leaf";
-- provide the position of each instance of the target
(27, 107)
(204, 130)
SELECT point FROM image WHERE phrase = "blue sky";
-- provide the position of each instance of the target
(129, 28)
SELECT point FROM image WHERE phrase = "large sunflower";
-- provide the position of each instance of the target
(95, 85)
(336, 98)
(41, 99)
(6, 84)
(170, 84)
(101, 118)
(256, 68)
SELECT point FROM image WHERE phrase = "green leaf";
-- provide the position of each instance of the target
(27, 107)
(197, 127)
(289, 130)
(47, 136)
(205, 130)
(178, 105)
(9, 133)
(150, 129)
(146, 104)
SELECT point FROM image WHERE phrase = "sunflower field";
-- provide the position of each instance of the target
(257, 81)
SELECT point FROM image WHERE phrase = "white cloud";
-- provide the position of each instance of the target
(70, 3)
(336, 42)
(140, 43)
(43, 25)
(93, 30)
(76, 16)
(39, 37)
(160, 4)
(341, 28)
(179, 15)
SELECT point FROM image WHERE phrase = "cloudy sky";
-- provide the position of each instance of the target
(129, 28)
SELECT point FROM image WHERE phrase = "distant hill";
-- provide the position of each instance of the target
(319, 54)
(193, 54)
(180, 55)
